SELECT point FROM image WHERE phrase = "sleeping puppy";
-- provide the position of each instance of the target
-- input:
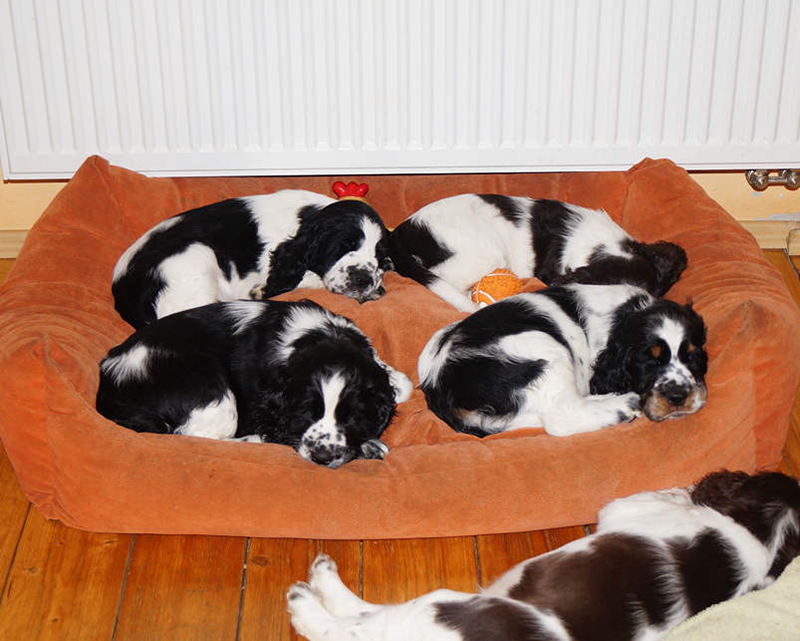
(289, 373)
(252, 247)
(571, 359)
(450, 244)
(656, 559)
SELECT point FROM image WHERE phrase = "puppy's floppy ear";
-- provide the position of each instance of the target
(612, 368)
(290, 260)
(287, 268)
(611, 373)
(374, 449)
(669, 261)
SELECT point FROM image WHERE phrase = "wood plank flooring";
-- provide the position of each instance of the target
(61, 583)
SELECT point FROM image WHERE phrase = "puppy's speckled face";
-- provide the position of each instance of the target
(674, 366)
(359, 272)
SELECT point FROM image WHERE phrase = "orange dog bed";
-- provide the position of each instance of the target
(58, 320)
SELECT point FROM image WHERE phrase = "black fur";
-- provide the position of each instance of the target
(435, 235)
(227, 227)
(234, 231)
(550, 223)
(479, 381)
(627, 363)
(196, 357)
(318, 244)
(654, 267)
(415, 252)
(508, 207)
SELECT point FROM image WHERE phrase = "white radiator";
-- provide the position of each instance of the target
(198, 87)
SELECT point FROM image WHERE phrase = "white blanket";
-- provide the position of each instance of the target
(771, 614)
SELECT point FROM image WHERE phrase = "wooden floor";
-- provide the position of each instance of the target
(60, 583)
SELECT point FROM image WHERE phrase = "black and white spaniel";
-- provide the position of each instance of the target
(289, 373)
(451, 243)
(656, 559)
(571, 359)
(252, 247)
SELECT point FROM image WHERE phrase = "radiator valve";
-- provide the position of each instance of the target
(760, 179)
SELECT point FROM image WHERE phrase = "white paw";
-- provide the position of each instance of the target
(250, 438)
(308, 615)
(339, 601)
(257, 292)
(630, 407)
(374, 449)
(321, 569)
(323, 563)
(310, 280)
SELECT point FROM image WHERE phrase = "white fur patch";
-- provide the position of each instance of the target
(434, 356)
(302, 320)
(326, 431)
(594, 224)
(673, 334)
(481, 240)
(242, 313)
(599, 303)
(190, 279)
(129, 365)
(217, 420)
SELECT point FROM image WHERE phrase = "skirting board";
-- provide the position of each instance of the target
(775, 235)
(11, 242)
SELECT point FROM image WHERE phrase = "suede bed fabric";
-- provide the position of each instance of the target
(58, 320)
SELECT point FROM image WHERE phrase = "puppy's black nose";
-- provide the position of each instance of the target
(322, 456)
(359, 278)
(675, 394)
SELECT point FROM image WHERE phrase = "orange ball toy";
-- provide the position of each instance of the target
(501, 283)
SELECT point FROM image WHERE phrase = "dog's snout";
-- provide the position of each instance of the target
(359, 278)
(676, 394)
(322, 456)
(329, 455)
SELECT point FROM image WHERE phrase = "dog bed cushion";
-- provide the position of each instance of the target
(58, 320)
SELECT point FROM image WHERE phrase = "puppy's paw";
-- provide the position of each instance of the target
(250, 438)
(323, 563)
(374, 449)
(630, 407)
(322, 567)
(258, 292)
(309, 617)
(339, 601)
(300, 597)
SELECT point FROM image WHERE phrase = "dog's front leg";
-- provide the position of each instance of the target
(323, 577)
(324, 608)
(310, 280)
